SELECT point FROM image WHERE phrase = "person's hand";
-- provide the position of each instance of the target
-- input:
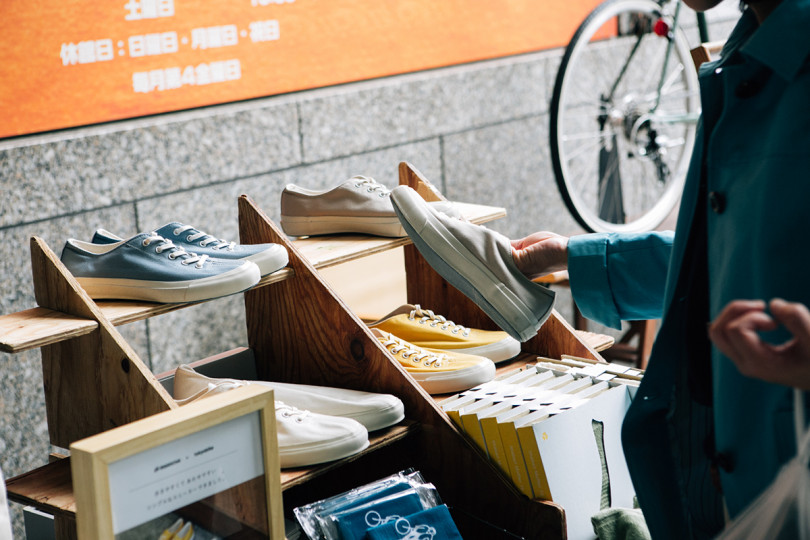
(540, 253)
(735, 333)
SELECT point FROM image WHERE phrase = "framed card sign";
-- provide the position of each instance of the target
(207, 470)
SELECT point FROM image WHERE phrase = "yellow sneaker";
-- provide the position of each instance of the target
(436, 371)
(186, 533)
(423, 328)
(169, 533)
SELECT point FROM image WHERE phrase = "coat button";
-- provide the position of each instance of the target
(725, 461)
(717, 202)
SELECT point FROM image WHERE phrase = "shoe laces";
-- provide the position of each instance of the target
(408, 350)
(207, 239)
(371, 185)
(288, 411)
(175, 251)
(427, 316)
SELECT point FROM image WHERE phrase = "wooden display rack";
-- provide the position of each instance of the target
(300, 331)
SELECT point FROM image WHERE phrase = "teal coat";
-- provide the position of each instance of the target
(743, 232)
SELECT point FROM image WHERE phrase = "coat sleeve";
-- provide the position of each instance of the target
(619, 276)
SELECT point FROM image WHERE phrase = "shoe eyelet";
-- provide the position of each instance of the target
(188, 238)
(285, 414)
(416, 361)
(433, 324)
(145, 243)
(406, 355)
(299, 420)
(454, 330)
(381, 195)
(198, 266)
(176, 232)
(172, 256)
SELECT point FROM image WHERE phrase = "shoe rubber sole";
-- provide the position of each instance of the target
(464, 271)
(172, 292)
(305, 455)
(313, 226)
(270, 260)
(447, 382)
(497, 352)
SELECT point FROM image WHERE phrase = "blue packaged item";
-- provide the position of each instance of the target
(431, 524)
(352, 524)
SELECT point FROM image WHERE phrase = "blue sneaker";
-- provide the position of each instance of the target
(268, 257)
(152, 268)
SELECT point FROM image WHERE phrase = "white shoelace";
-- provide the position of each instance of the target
(435, 320)
(207, 239)
(288, 411)
(419, 355)
(175, 252)
(371, 185)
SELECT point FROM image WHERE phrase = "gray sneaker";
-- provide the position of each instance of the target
(478, 262)
(358, 205)
(268, 257)
(149, 267)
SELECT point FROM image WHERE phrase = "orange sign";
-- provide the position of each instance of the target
(68, 63)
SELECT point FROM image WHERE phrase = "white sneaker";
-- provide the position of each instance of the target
(307, 438)
(304, 437)
(374, 411)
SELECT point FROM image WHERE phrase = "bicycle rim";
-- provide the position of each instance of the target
(620, 150)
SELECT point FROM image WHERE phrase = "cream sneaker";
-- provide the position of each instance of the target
(438, 372)
(358, 205)
(423, 328)
(374, 411)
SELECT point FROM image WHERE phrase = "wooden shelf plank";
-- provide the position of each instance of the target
(325, 251)
(37, 327)
(50, 487)
(377, 439)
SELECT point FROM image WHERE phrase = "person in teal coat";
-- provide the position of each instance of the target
(713, 420)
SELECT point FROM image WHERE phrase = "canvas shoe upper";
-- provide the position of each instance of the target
(150, 267)
(358, 205)
(268, 257)
(423, 328)
(438, 372)
(304, 437)
(374, 411)
(478, 262)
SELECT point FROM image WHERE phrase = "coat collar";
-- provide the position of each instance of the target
(781, 43)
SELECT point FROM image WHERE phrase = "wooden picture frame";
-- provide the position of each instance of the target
(170, 458)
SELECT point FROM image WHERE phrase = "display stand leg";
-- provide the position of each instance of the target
(94, 382)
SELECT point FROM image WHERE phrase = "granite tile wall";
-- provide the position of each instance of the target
(478, 131)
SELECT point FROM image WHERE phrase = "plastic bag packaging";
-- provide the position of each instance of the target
(313, 517)
(351, 524)
(780, 512)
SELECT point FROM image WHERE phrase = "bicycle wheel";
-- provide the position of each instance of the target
(623, 116)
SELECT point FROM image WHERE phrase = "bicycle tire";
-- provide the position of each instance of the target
(616, 175)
